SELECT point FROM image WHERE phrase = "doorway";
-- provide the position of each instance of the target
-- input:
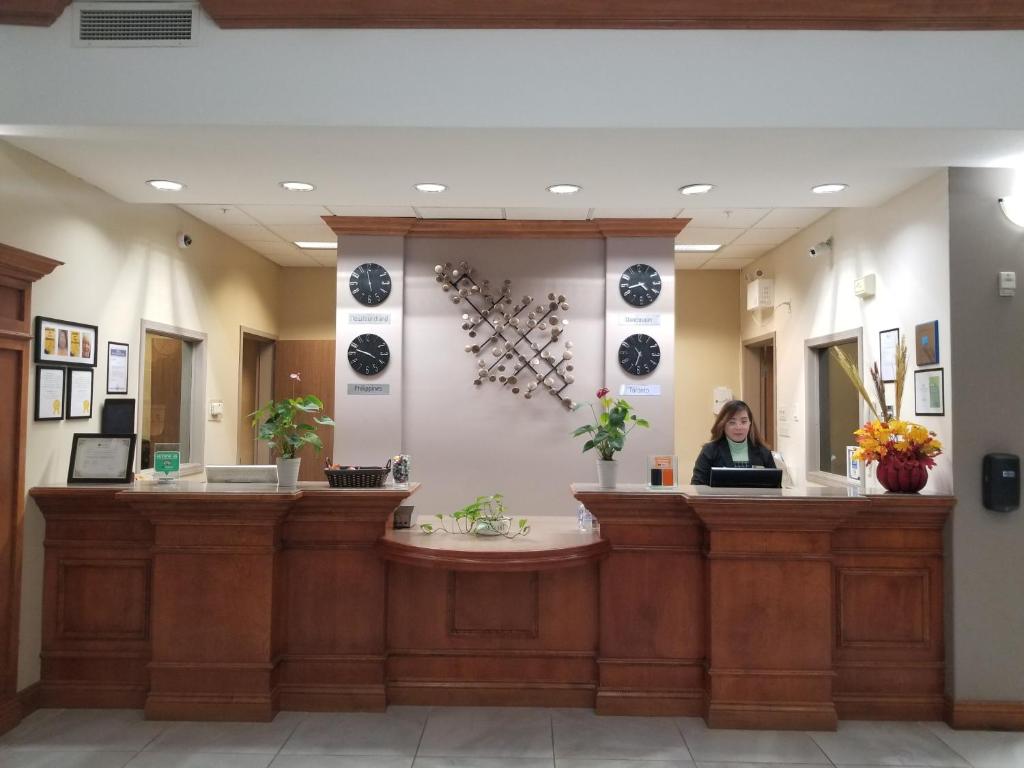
(759, 384)
(255, 388)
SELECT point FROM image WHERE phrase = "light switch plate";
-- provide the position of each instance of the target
(1007, 283)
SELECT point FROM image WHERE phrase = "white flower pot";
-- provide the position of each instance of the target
(606, 473)
(288, 472)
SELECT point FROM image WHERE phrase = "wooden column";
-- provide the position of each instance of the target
(18, 270)
(217, 634)
(770, 602)
(653, 606)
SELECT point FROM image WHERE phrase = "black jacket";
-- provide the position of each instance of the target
(717, 454)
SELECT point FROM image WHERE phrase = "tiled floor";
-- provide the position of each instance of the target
(421, 737)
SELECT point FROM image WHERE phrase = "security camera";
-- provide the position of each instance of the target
(823, 248)
(184, 240)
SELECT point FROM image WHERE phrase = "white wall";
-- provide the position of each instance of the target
(905, 243)
(122, 264)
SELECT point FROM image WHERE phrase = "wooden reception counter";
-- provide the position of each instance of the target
(762, 609)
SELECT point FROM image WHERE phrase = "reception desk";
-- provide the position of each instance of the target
(753, 609)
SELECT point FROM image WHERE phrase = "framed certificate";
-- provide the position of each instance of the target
(888, 343)
(929, 392)
(49, 393)
(98, 458)
(79, 399)
(117, 368)
(65, 343)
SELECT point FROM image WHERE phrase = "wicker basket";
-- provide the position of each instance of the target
(357, 477)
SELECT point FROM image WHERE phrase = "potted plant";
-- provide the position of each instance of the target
(485, 516)
(608, 433)
(904, 451)
(278, 425)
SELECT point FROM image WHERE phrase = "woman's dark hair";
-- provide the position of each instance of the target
(729, 410)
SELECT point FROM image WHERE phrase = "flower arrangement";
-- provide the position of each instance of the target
(610, 427)
(905, 451)
(484, 516)
(278, 425)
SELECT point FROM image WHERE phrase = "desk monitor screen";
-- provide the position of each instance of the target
(745, 477)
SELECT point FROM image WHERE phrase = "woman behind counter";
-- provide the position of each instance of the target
(735, 442)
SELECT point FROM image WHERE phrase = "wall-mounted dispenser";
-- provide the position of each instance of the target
(1000, 482)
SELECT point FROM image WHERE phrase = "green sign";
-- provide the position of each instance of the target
(165, 462)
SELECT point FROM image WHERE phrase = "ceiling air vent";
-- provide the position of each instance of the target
(136, 24)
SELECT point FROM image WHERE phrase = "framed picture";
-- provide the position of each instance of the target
(927, 344)
(117, 416)
(117, 368)
(79, 398)
(65, 343)
(852, 464)
(99, 458)
(49, 393)
(929, 392)
(888, 343)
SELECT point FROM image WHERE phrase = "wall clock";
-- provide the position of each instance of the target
(640, 285)
(370, 284)
(368, 354)
(639, 354)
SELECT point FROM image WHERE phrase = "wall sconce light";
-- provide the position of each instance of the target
(1013, 208)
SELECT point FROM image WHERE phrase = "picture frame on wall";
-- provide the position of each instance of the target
(79, 393)
(926, 347)
(929, 392)
(888, 344)
(62, 342)
(49, 393)
(99, 458)
(117, 368)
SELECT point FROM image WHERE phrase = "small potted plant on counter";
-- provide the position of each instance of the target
(485, 516)
(279, 425)
(607, 434)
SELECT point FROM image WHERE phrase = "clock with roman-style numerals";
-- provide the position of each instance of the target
(368, 354)
(640, 285)
(639, 354)
(370, 284)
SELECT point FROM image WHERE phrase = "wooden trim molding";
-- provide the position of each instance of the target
(618, 14)
(985, 715)
(594, 229)
(35, 13)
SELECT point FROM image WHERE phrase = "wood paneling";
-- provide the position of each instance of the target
(620, 14)
(18, 270)
(314, 361)
(596, 228)
(40, 13)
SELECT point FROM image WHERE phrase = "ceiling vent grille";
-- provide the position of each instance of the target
(136, 24)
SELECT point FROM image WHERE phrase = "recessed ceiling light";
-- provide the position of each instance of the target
(297, 186)
(828, 189)
(696, 189)
(431, 186)
(691, 248)
(314, 245)
(564, 189)
(165, 185)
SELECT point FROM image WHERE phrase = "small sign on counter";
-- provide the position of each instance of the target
(369, 389)
(640, 390)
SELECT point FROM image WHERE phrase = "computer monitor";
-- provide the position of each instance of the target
(745, 477)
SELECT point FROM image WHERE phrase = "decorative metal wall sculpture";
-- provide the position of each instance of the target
(512, 341)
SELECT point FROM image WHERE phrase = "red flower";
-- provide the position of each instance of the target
(602, 392)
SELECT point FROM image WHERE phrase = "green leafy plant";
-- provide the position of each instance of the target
(279, 425)
(608, 432)
(484, 516)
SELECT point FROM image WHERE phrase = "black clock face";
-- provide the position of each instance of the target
(368, 354)
(639, 354)
(640, 285)
(370, 284)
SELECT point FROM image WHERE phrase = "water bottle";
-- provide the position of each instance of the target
(584, 519)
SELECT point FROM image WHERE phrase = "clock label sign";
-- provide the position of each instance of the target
(639, 354)
(370, 284)
(640, 285)
(368, 354)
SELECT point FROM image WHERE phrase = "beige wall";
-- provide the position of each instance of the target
(308, 303)
(707, 354)
(122, 264)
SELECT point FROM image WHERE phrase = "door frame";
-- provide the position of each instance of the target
(264, 380)
(750, 380)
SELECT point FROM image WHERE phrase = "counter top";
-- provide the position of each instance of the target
(198, 487)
